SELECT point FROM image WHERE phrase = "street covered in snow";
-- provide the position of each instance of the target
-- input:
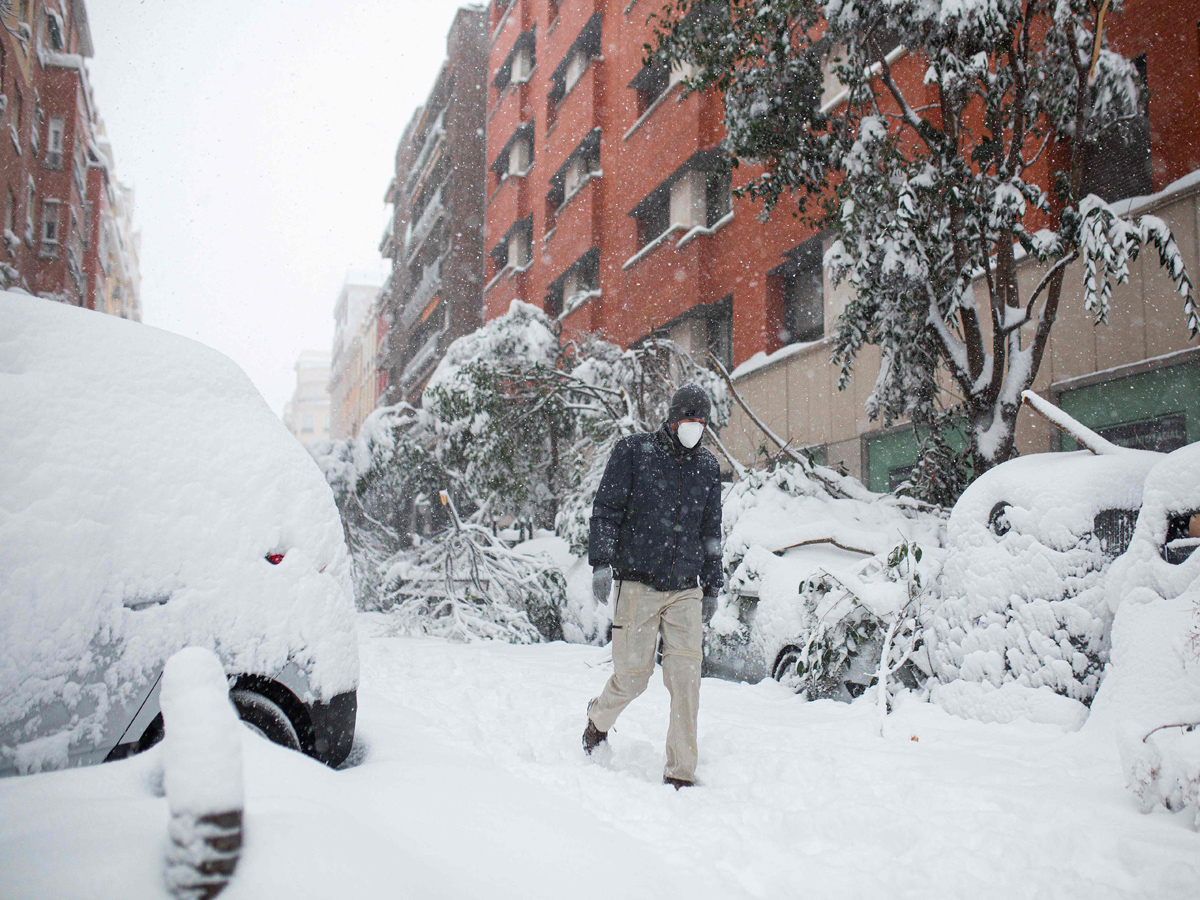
(467, 780)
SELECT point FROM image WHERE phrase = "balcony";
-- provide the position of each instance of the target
(425, 222)
(424, 292)
(385, 243)
(436, 131)
(421, 359)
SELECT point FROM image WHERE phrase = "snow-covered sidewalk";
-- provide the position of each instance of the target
(471, 783)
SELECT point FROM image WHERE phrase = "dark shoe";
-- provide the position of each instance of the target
(677, 783)
(593, 737)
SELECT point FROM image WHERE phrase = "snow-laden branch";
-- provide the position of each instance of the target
(1069, 425)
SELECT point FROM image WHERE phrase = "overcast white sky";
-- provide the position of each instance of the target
(259, 138)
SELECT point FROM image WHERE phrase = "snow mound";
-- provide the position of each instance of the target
(1009, 703)
(1022, 589)
(143, 481)
(202, 743)
(1150, 697)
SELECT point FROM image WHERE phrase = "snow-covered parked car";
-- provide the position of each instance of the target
(150, 500)
(809, 577)
(1029, 545)
(1150, 695)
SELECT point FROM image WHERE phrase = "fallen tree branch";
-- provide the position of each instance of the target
(1069, 425)
(833, 487)
(808, 543)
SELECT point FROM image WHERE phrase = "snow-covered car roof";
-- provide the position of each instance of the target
(1055, 496)
(143, 481)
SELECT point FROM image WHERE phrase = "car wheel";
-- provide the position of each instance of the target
(784, 669)
(266, 718)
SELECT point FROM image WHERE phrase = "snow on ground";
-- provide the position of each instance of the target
(472, 783)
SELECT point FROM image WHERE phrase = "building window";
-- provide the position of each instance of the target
(1118, 165)
(14, 124)
(578, 56)
(50, 227)
(54, 142)
(696, 195)
(650, 83)
(1154, 410)
(804, 294)
(518, 68)
(516, 158)
(581, 166)
(308, 424)
(55, 30)
(520, 245)
(581, 279)
(30, 206)
(719, 328)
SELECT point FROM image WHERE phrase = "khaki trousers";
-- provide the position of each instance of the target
(640, 615)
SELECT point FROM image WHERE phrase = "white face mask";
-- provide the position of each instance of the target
(690, 433)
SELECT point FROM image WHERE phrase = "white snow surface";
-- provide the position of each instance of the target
(472, 784)
(202, 743)
(136, 466)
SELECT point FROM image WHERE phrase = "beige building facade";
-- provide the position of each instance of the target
(1136, 379)
(353, 377)
(306, 415)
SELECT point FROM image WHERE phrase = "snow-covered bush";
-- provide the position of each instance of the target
(466, 584)
(513, 425)
(379, 478)
(1150, 696)
(1029, 546)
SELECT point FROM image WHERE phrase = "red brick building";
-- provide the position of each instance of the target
(68, 231)
(608, 205)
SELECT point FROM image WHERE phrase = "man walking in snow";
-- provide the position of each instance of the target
(656, 530)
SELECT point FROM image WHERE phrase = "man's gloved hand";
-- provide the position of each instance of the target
(602, 583)
(708, 606)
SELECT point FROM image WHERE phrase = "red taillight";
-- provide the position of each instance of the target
(274, 558)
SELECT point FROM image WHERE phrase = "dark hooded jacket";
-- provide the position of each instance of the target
(657, 514)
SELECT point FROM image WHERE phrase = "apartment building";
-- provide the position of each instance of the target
(68, 229)
(306, 415)
(434, 238)
(353, 382)
(608, 205)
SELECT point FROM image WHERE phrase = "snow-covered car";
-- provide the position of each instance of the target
(807, 568)
(1029, 545)
(1150, 695)
(150, 500)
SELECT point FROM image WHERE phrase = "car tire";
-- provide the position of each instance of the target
(785, 663)
(265, 717)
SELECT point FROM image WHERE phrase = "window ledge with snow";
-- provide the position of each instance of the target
(651, 108)
(762, 360)
(702, 230)
(575, 301)
(650, 247)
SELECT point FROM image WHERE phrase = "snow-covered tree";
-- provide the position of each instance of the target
(934, 189)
